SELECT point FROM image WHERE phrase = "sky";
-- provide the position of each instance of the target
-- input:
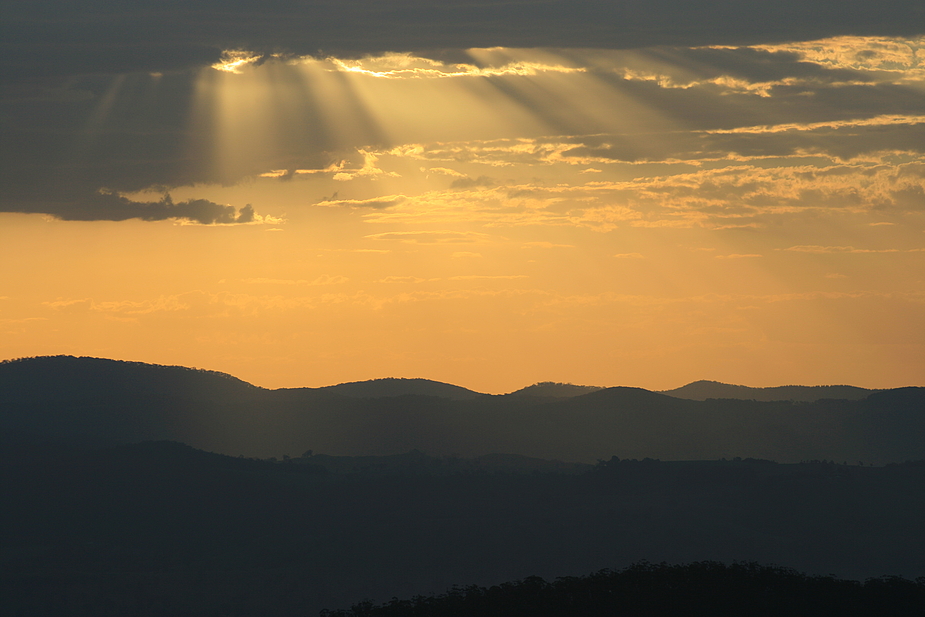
(486, 193)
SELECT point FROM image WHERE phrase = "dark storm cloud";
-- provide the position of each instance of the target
(55, 37)
(113, 207)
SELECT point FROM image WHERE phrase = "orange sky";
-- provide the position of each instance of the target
(649, 218)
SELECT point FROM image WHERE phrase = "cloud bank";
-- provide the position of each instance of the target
(54, 37)
(840, 121)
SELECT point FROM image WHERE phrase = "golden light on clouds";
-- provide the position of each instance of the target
(233, 61)
(643, 217)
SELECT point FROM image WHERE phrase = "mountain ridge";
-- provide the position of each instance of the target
(85, 400)
(703, 389)
(401, 386)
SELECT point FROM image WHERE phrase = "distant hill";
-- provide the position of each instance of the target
(53, 377)
(703, 390)
(392, 386)
(91, 401)
(553, 389)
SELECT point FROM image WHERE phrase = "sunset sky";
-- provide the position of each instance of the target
(489, 194)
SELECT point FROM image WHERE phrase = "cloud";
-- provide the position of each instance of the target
(401, 279)
(368, 170)
(468, 183)
(513, 205)
(878, 53)
(375, 203)
(431, 237)
(321, 280)
(128, 307)
(846, 101)
(408, 66)
(446, 171)
(738, 256)
(547, 245)
(748, 70)
(726, 196)
(288, 174)
(807, 248)
(114, 207)
(61, 303)
(246, 215)
(842, 139)
(628, 256)
(143, 307)
(48, 37)
(470, 277)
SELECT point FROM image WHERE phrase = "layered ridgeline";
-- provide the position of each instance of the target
(97, 401)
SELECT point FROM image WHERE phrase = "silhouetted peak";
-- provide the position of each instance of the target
(908, 398)
(555, 389)
(395, 386)
(69, 376)
(627, 393)
(704, 389)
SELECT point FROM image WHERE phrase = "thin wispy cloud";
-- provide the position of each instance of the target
(432, 237)
(472, 277)
(321, 280)
(376, 203)
(846, 249)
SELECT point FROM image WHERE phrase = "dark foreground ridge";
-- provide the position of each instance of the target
(160, 529)
(644, 589)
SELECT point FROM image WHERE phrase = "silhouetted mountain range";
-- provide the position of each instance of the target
(400, 488)
(100, 401)
(703, 390)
